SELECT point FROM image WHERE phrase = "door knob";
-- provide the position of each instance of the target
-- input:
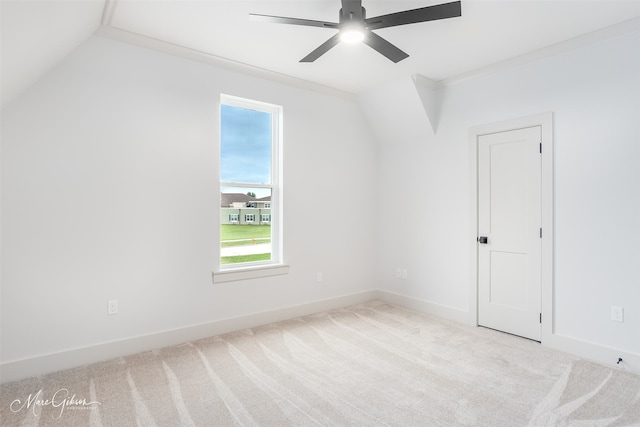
(483, 240)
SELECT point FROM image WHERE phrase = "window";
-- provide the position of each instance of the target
(250, 180)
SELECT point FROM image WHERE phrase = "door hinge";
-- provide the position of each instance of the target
(541, 148)
(541, 232)
(540, 317)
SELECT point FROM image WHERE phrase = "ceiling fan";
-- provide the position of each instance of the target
(354, 26)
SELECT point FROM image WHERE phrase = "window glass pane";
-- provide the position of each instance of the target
(245, 145)
(250, 138)
(245, 229)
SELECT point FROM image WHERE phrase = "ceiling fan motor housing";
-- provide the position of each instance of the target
(349, 16)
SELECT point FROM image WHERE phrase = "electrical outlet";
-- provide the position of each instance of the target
(398, 272)
(112, 307)
(617, 314)
(319, 277)
(405, 274)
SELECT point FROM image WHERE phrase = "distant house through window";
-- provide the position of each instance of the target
(250, 141)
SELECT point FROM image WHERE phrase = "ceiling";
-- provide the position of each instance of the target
(37, 34)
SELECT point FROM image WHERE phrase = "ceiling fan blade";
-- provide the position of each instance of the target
(292, 21)
(352, 9)
(423, 14)
(384, 47)
(322, 49)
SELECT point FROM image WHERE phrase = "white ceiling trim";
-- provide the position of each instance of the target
(108, 31)
(565, 46)
(108, 11)
(207, 58)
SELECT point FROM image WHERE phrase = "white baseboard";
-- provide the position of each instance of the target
(40, 365)
(599, 353)
(424, 306)
(585, 350)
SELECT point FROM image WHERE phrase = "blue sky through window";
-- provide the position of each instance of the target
(245, 146)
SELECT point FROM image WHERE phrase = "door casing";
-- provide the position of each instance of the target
(545, 121)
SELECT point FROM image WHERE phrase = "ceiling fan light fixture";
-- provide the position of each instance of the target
(355, 27)
(352, 31)
(352, 35)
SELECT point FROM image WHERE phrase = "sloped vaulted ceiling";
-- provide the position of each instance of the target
(36, 34)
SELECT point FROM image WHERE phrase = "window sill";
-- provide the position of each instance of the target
(247, 273)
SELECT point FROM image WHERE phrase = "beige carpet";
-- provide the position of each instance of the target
(372, 364)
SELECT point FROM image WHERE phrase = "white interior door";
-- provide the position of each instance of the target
(509, 228)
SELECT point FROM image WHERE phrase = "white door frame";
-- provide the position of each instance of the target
(544, 120)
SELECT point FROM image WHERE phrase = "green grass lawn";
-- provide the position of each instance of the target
(244, 258)
(235, 234)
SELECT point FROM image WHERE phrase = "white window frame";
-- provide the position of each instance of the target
(275, 266)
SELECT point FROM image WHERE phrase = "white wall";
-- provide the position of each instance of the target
(594, 93)
(109, 191)
(109, 169)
